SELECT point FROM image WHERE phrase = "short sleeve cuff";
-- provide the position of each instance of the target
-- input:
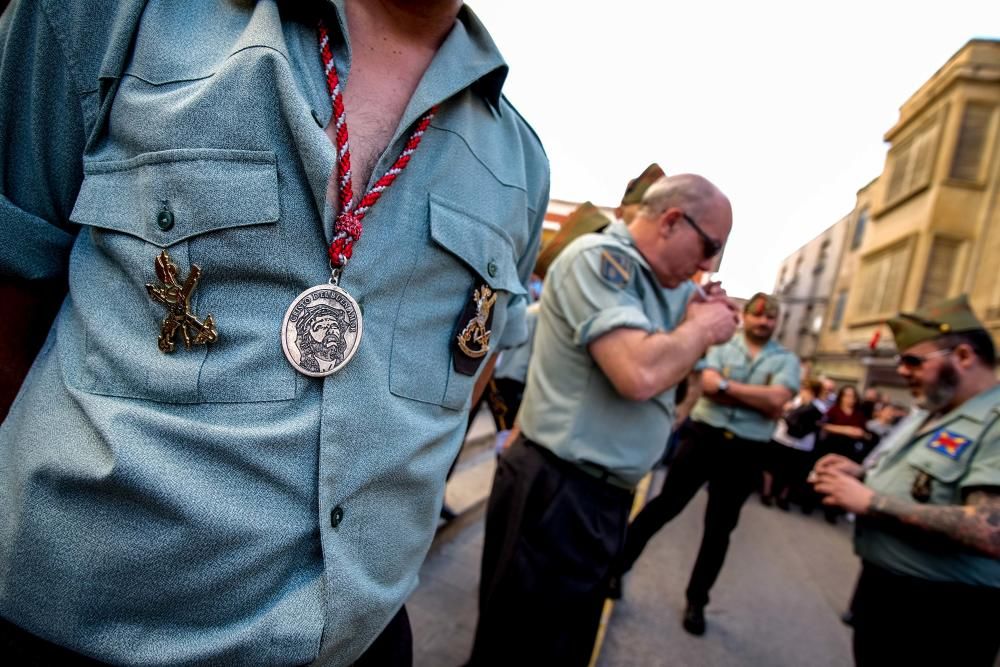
(33, 248)
(515, 331)
(609, 319)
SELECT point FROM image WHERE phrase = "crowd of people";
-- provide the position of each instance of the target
(818, 421)
(284, 243)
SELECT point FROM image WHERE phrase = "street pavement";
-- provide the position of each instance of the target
(778, 601)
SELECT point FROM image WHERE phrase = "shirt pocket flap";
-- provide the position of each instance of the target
(169, 196)
(939, 466)
(487, 250)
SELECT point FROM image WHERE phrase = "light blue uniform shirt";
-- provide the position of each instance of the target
(773, 365)
(959, 452)
(213, 505)
(600, 282)
(513, 363)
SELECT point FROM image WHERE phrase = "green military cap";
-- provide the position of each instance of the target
(637, 186)
(762, 303)
(585, 219)
(940, 319)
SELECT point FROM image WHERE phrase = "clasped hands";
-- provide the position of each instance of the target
(714, 312)
(838, 479)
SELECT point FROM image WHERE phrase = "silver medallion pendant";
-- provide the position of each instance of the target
(321, 330)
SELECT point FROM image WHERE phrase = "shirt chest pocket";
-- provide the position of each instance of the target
(462, 254)
(217, 209)
(736, 370)
(940, 472)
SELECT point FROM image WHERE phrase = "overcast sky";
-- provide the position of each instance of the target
(782, 104)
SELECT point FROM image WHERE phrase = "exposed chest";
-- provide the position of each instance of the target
(375, 97)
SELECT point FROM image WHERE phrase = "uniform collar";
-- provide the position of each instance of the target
(977, 409)
(767, 349)
(468, 58)
(619, 230)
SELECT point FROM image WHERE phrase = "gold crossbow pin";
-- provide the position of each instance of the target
(475, 331)
(177, 298)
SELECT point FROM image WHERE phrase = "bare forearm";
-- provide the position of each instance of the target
(641, 365)
(975, 524)
(673, 355)
(767, 400)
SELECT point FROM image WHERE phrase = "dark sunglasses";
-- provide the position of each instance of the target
(710, 247)
(915, 361)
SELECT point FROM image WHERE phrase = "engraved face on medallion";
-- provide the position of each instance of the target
(321, 330)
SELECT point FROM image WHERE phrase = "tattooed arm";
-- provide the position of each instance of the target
(976, 524)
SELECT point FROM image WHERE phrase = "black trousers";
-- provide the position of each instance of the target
(732, 468)
(901, 620)
(18, 648)
(553, 533)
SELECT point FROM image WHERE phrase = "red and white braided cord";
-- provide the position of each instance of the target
(348, 227)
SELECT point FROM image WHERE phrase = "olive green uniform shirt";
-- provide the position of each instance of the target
(955, 454)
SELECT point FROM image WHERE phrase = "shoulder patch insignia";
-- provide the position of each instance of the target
(948, 443)
(616, 268)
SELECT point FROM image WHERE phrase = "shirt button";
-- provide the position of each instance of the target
(336, 516)
(492, 269)
(165, 219)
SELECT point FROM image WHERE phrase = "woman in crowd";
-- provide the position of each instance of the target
(842, 431)
(792, 449)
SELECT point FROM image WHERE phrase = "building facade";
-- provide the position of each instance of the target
(805, 284)
(929, 226)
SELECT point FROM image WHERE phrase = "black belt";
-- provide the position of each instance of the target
(598, 472)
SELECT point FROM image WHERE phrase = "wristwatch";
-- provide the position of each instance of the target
(723, 386)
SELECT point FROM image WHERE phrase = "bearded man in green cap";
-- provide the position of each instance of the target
(928, 529)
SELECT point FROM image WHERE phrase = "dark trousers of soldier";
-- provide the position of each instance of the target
(732, 468)
(553, 532)
(392, 648)
(902, 620)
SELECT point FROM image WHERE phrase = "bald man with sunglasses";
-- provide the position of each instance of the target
(928, 507)
(619, 325)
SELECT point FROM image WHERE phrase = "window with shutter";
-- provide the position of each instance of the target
(883, 276)
(971, 140)
(838, 310)
(900, 170)
(912, 164)
(859, 229)
(940, 268)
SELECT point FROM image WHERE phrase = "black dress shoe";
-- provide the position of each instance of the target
(694, 620)
(766, 501)
(782, 503)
